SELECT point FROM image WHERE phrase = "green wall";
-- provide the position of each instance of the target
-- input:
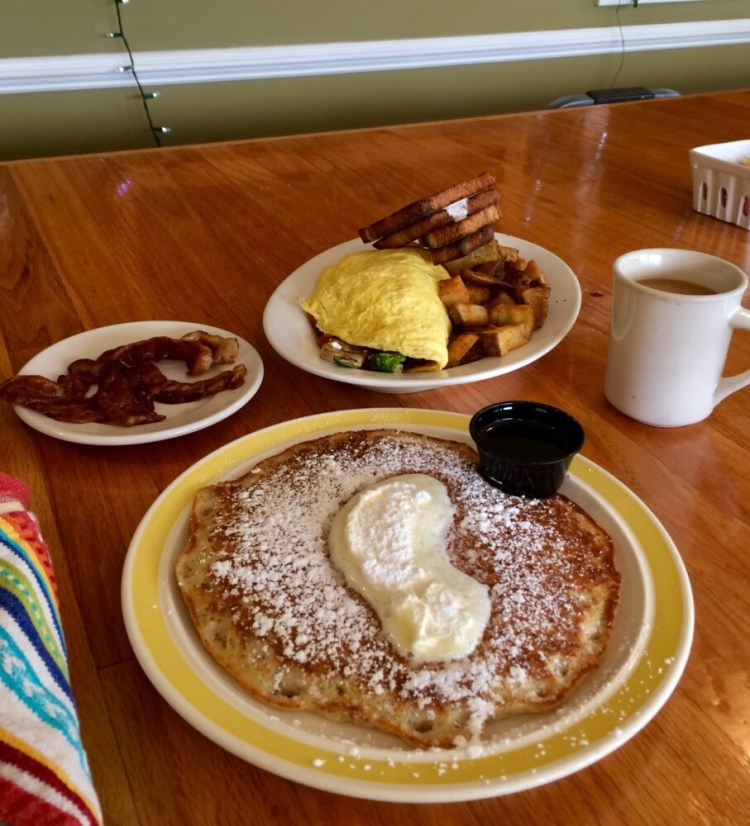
(53, 123)
(48, 27)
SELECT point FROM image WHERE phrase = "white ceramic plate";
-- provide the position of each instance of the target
(648, 651)
(180, 418)
(289, 332)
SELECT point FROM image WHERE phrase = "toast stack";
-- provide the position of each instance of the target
(451, 224)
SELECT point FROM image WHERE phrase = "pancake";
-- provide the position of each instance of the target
(276, 613)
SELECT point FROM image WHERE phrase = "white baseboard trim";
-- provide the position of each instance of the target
(99, 71)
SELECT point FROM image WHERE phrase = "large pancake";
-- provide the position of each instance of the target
(275, 612)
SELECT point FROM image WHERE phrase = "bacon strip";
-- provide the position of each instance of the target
(128, 381)
(72, 411)
(174, 392)
(122, 402)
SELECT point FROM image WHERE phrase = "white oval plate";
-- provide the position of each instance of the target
(288, 329)
(180, 418)
(651, 640)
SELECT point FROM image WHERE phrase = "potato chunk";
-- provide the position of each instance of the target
(468, 315)
(453, 291)
(499, 341)
(463, 348)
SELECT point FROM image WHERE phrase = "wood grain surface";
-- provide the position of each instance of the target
(205, 234)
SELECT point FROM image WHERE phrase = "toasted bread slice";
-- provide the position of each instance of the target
(446, 216)
(463, 246)
(426, 206)
(454, 232)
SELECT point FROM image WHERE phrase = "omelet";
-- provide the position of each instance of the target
(385, 300)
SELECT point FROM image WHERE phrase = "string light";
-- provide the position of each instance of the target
(622, 39)
(156, 131)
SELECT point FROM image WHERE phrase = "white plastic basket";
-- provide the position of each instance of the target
(721, 183)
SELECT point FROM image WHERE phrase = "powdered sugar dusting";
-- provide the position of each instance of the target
(277, 574)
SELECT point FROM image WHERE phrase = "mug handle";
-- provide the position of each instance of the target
(740, 320)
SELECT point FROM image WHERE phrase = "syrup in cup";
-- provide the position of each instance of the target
(525, 448)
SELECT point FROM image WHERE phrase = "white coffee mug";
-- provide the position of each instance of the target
(673, 313)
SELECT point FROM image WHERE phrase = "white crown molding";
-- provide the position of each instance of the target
(99, 71)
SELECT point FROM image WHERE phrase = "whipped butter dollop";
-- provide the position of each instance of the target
(458, 210)
(389, 540)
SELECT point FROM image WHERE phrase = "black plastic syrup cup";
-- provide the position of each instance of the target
(525, 448)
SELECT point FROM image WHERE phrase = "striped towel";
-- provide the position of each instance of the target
(44, 774)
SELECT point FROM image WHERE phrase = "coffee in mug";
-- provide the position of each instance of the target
(673, 315)
(676, 285)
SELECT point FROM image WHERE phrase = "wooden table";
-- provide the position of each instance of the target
(205, 234)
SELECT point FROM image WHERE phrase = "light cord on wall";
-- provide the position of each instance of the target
(156, 131)
(622, 40)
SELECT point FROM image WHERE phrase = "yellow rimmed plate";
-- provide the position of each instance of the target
(643, 663)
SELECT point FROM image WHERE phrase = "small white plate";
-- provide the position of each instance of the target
(180, 418)
(648, 651)
(288, 329)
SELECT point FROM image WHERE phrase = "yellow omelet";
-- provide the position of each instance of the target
(386, 300)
